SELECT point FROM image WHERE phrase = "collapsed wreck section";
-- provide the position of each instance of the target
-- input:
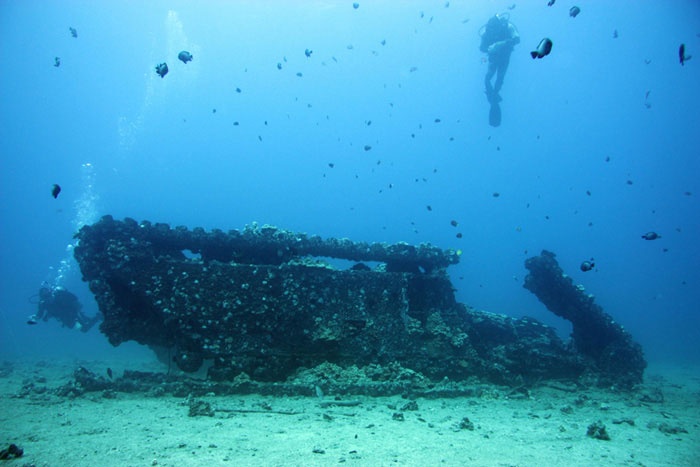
(595, 334)
(258, 302)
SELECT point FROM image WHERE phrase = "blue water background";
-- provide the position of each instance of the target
(122, 141)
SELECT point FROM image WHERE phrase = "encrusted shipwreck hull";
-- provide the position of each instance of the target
(254, 302)
(595, 334)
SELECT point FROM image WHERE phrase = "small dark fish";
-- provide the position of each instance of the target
(587, 265)
(453, 223)
(437, 120)
(496, 195)
(574, 11)
(55, 190)
(429, 208)
(299, 74)
(308, 52)
(551, 2)
(162, 69)
(73, 32)
(615, 36)
(647, 61)
(383, 42)
(681, 54)
(238, 90)
(543, 49)
(412, 69)
(512, 7)
(356, 5)
(57, 62)
(367, 147)
(331, 165)
(651, 236)
(213, 111)
(459, 235)
(185, 57)
(109, 373)
(279, 65)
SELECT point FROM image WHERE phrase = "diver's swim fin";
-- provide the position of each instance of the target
(495, 114)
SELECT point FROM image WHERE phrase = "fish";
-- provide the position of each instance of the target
(109, 373)
(574, 11)
(57, 62)
(73, 32)
(308, 52)
(162, 69)
(587, 265)
(551, 2)
(543, 49)
(682, 56)
(185, 57)
(453, 223)
(356, 5)
(651, 236)
(55, 190)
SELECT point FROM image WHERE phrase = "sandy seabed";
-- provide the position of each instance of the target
(546, 427)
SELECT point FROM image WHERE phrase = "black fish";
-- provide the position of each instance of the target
(55, 190)
(587, 265)
(73, 32)
(681, 54)
(651, 236)
(109, 373)
(551, 2)
(543, 49)
(574, 11)
(162, 69)
(185, 57)
(57, 62)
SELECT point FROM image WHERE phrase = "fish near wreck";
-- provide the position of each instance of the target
(185, 57)
(162, 69)
(543, 49)
(682, 56)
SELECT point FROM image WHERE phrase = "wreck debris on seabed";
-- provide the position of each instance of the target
(261, 310)
(595, 335)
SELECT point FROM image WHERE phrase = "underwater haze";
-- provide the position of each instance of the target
(369, 123)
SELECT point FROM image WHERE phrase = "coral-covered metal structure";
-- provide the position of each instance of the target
(595, 334)
(260, 301)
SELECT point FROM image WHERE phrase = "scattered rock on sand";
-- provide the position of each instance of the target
(597, 430)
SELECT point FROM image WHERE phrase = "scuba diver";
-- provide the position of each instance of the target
(498, 37)
(63, 305)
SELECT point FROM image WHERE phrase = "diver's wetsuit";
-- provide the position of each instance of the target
(65, 307)
(498, 40)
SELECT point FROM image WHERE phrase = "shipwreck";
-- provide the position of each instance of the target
(264, 302)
